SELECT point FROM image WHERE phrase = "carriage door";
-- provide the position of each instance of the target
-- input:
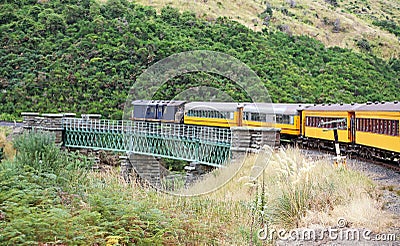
(352, 130)
(159, 111)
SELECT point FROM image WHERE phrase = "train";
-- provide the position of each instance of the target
(370, 130)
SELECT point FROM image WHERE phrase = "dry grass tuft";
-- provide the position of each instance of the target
(8, 149)
(362, 212)
(303, 193)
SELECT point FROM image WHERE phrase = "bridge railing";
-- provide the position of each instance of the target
(97, 124)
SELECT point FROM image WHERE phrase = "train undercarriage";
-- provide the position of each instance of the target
(348, 149)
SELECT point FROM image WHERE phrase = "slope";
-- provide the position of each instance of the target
(363, 25)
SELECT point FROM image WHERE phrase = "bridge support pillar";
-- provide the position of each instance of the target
(46, 122)
(147, 167)
(126, 168)
(252, 140)
(195, 171)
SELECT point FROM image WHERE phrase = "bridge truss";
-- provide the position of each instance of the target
(206, 145)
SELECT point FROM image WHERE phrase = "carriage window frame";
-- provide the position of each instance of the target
(210, 114)
(386, 127)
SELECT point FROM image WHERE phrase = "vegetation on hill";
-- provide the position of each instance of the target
(51, 197)
(83, 56)
(340, 23)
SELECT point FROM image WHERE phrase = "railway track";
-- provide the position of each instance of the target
(387, 164)
(11, 124)
(316, 153)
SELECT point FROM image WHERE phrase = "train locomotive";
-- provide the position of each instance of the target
(370, 130)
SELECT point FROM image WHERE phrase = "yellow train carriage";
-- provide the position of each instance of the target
(313, 118)
(377, 126)
(258, 115)
(287, 117)
(212, 114)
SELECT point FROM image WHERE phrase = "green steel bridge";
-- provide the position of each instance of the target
(201, 144)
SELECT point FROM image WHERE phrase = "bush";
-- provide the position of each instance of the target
(49, 198)
(38, 150)
(62, 169)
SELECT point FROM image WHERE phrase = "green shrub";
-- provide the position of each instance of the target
(38, 150)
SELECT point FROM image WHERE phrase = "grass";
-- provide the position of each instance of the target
(306, 18)
(100, 208)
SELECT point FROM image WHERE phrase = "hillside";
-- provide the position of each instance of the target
(83, 56)
(343, 23)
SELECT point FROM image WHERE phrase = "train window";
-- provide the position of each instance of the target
(364, 125)
(369, 129)
(367, 126)
(358, 122)
(255, 117)
(288, 119)
(246, 115)
(372, 125)
(385, 127)
(379, 126)
(279, 118)
(396, 128)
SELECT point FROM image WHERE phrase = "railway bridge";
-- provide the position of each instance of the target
(141, 142)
